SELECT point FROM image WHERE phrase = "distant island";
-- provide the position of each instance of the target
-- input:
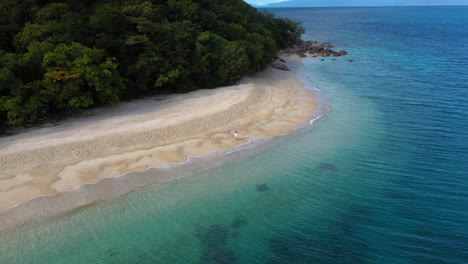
(344, 3)
(57, 56)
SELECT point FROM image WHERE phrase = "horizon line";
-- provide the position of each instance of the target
(266, 6)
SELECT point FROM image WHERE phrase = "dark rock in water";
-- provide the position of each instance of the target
(326, 168)
(280, 66)
(239, 223)
(281, 60)
(263, 187)
(322, 60)
(343, 52)
(350, 60)
(315, 48)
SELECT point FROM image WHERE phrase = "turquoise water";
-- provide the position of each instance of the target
(382, 180)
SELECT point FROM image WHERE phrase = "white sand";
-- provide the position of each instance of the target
(144, 133)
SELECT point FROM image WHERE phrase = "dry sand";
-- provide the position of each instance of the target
(133, 136)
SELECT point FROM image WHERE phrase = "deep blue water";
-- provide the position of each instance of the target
(412, 64)
(384, 179)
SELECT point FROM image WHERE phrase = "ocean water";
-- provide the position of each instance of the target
(383, 179)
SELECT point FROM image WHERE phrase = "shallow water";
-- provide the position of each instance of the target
(382, 180)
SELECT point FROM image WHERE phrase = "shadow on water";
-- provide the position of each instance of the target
(214, 242)
(340, 243)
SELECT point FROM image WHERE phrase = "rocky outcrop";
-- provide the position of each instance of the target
(314, 49)
(343, 52)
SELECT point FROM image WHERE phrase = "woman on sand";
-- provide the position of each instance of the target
(236, 135)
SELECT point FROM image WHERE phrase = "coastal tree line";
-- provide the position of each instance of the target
(67, 54)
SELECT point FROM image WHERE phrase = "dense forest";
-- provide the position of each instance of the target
(69, 54)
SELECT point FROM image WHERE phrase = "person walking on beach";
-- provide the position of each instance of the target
(236, 135)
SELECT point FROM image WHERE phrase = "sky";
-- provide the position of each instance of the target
(362, 2)
(263, 2)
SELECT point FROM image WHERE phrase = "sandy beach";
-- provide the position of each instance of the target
(133, 136)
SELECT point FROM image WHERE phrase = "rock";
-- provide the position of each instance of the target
(315, 48)
(343, 52)
(280, 66)
(322, 59)
(350, 60)
(281, 60)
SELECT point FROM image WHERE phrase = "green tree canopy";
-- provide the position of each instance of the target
(66, 54)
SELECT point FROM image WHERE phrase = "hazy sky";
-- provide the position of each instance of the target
(364, 2)
(263, 2)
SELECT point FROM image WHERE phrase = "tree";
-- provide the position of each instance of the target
(17, 100)
(13, 15)
(63, 54)
(78, 76)
(219, 61)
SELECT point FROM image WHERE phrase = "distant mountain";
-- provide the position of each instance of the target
(329, 3)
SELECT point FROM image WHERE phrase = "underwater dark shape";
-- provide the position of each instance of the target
(326, 168)
(213, 242)
(234, 234)
(279, 246)
(213, 236)
(111, 253)
(218, 256)
(239, 223)
(263, 187)
(339, 243)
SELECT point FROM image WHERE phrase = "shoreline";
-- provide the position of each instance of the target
(285, 128)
